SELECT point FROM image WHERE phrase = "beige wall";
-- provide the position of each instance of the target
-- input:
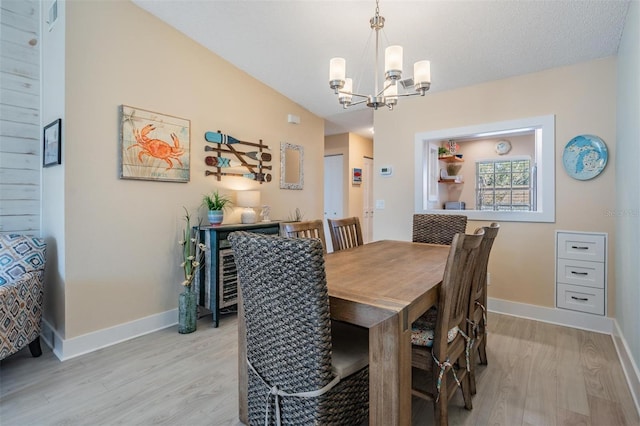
(122, 258)
(359, 148)
(522, 262)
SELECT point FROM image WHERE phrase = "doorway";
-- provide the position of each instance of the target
(367, 199)
(333, 192)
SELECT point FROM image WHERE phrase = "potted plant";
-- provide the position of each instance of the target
(216, 204)
(442, 151)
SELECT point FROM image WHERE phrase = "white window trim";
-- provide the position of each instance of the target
(545, 151)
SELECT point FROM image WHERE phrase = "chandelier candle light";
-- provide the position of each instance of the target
(248, 200)
(388, 96)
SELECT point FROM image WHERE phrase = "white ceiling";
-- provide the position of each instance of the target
(287, 44)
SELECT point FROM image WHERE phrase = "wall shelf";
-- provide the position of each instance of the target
(450, 159)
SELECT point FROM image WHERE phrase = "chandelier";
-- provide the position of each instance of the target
(388, 96)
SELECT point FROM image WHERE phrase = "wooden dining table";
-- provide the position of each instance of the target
(383, 286)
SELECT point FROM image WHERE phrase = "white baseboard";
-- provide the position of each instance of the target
(51, 338)
(590, 322)
(66, 349)
(631, 371)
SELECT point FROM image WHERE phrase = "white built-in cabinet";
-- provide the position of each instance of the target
(581, 271)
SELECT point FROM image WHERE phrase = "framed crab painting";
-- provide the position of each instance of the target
(154, 146)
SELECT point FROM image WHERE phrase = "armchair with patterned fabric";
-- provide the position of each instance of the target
(22, 261)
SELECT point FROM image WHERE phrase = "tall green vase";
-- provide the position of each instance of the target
(187, 311)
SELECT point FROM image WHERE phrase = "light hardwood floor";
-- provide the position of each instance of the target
(538, 374)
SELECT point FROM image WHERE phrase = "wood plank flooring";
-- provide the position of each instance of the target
(538, 374)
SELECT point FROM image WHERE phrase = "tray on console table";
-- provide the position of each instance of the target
(216, 284)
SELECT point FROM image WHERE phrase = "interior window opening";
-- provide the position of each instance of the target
(495, 171)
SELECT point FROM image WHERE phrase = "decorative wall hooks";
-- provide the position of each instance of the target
(227, 145)
(227, 162)
(258, 177)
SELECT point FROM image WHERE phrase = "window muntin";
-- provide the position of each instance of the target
(504, 185)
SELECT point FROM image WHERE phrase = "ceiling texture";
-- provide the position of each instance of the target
(287, 44)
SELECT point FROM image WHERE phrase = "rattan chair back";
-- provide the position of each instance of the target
(345, 233)
(288, 333)
(437, 228)
(306, 229)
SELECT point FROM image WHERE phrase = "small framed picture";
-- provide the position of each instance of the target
(52, 144)
(357, 176)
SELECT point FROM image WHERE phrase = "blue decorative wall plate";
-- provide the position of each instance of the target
(585, 157)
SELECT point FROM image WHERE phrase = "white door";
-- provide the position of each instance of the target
(333, 192)
(367, 200)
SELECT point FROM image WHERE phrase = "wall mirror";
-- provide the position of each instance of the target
(291, 161)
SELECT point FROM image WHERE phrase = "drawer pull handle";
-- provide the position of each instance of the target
(580, 247)
(579, 273)
(582, 299)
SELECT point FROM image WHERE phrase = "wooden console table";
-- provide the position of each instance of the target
(216, 284)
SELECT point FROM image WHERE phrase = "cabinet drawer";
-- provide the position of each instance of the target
(581, 246)
(583, 299)
(579, 272)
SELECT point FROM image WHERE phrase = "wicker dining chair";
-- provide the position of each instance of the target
(302, 369)
(478, 302)
(437, 228)
(440, 344)
(307, 229)
(345, 233)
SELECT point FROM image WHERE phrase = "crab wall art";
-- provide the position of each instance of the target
(154, 146)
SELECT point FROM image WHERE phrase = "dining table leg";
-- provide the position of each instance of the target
(390, 372)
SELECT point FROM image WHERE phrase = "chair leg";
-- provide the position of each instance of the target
(482, 350)
(35, 348)
(472, 374)
(465, 383)
(466, 392)
(442, 405)
(475, 355)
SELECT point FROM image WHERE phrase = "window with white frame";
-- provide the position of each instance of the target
(504, 184)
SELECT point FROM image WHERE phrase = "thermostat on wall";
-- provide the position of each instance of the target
(386, 171)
